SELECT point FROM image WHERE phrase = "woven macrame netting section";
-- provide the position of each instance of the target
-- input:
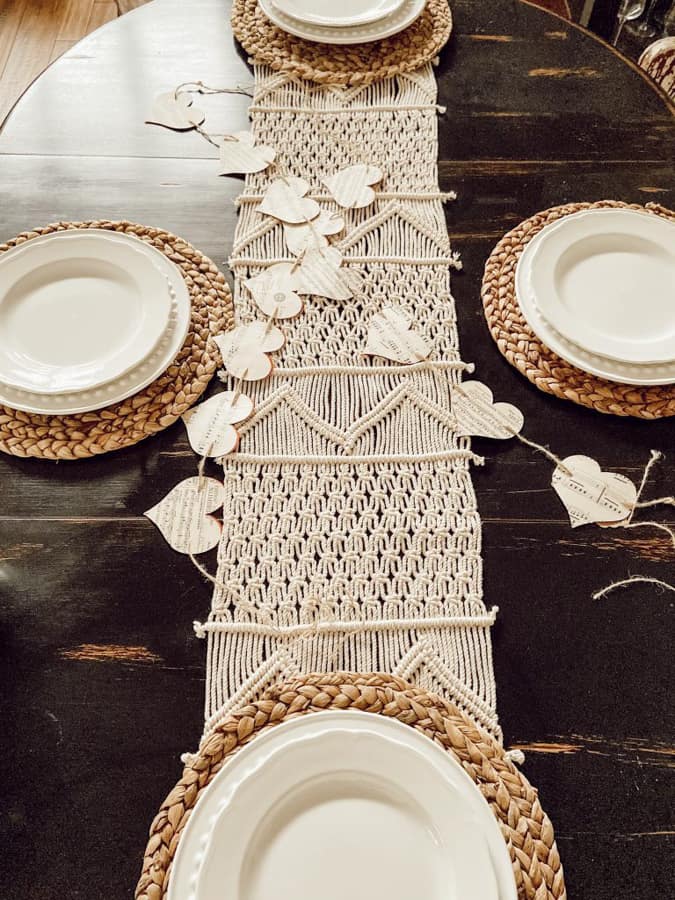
(351, 538)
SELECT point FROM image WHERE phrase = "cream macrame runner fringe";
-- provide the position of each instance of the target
(351, 539)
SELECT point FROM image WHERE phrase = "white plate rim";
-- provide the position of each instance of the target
(364, 18)
(557, 317)
(194, 838)
(355, 34)
(135, 380)
(157, 294)
(643, 375)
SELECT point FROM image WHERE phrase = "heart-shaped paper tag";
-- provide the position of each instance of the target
(285, 200)
(210, 425)
(274, 291)
(350, 187)
(245, 348)
(183, 515)
(310, 235)
(175, 112)
(390, 335)
(476, 413)
(320, 274)
(591, 495)
(239, 154)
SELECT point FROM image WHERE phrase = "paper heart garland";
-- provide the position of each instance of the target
(274, 291)
(476, 414)
(350, 187)
(310, 235)
(320, 274)
(175, 112)
(591, 495)
(390, 335)
(183, 515)
(245, 348)
(210, 425)
(285, 200)
(240, 155)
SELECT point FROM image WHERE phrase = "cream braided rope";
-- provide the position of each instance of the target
(351, 538)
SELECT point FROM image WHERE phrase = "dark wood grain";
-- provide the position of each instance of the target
(102, 676)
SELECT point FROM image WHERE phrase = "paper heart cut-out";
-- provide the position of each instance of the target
(390, 335)
(245, 348)
(183, 515)
(285, 200)
(176, 112)
(310, 235)
(477, 414)
(591, 495)
(210, 425)
(350, 187)
(274, 291)
(320, 274)
(239, 154)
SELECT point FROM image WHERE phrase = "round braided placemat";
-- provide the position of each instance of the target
(348, 64)
(526, 828)
(159, 404)
(523, 349)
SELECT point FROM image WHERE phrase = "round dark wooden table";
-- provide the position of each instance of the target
(102, 678)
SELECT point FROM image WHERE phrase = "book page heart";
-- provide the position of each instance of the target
(310, 235)
(210, 425)
(477, 415)
(183, 515)
(591, 495)
(240, 155)
(245, 348)
(320, 274)
(274, 291)
(350, 187)
(285, 200)
(390, 335)
(175, 112)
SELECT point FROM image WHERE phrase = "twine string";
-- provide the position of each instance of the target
(634, 579)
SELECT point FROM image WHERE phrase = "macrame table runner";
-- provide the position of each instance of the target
(351, 539)
(523, 349)
(164, 400)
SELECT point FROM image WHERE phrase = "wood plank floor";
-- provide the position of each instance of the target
(33, 33)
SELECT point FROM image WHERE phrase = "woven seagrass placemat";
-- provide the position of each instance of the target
(164, 400)
(526, 828)
(523, 349)
(347, 64)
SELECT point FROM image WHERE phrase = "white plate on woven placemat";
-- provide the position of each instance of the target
(96, 343)
(605, 280)
(391, 24)
(337, 805)
(336, 15)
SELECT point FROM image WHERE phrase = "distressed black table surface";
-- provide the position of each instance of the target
(102, 678)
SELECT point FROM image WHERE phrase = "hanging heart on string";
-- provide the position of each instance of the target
(591, 495)
(240, 155)
(176, 112)
(477, 415)
(350, 187)
(245, 348)
(274, 291)
(310, 235)
(320, 274)
(183, 515)
(210, 425)
(390, 335)
(285, 200)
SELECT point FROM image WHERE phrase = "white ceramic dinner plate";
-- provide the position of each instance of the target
(605, 280)
(338, 14)
(403, 16)
(87, 318)
(342, 805)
